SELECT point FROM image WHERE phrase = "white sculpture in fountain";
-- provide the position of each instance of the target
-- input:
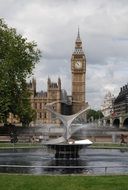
(67, 121)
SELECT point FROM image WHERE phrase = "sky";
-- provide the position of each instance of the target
(53, 24)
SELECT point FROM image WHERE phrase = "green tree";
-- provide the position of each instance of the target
(93, 115)
(17, 61)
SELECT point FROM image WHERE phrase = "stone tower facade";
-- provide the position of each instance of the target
(64, 103)
(78, 70)
(54, 95)
(40, 99)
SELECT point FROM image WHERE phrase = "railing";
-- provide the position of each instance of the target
(87, 170)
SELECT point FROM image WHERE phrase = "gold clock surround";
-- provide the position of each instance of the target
(78, 64)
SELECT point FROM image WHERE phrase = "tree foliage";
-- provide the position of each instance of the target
(93, 115)
(17, 61)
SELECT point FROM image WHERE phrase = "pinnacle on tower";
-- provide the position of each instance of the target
(78, 44)
(78, 36)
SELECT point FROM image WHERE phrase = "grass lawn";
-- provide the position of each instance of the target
(31, 182)
(109, 145)
(38, 145)
(19, 145)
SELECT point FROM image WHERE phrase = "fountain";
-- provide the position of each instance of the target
(65, 157)
(64, 146)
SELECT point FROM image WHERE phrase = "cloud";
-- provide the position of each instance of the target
(53, 25)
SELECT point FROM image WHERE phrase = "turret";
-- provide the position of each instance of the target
(59, 83)
(32, 87)
(48, 83)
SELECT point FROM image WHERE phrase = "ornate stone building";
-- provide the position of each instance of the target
(40, 99)
(107, 106)
(64, 104)
(121, 102)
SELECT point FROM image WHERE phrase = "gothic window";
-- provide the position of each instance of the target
(35, 105)
(45, 115)
(40, 115)
(40, 105)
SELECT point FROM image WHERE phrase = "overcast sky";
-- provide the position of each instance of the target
(53, 24)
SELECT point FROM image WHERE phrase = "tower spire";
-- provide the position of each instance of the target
(78, 36)
(78, 44)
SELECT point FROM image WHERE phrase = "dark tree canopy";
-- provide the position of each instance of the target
(17, 61)
(94, 115)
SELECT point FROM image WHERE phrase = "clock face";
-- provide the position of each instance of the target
(78, 64)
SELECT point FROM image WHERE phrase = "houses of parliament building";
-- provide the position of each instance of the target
(64, 103)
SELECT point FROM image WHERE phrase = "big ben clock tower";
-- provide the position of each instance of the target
(78, 69)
